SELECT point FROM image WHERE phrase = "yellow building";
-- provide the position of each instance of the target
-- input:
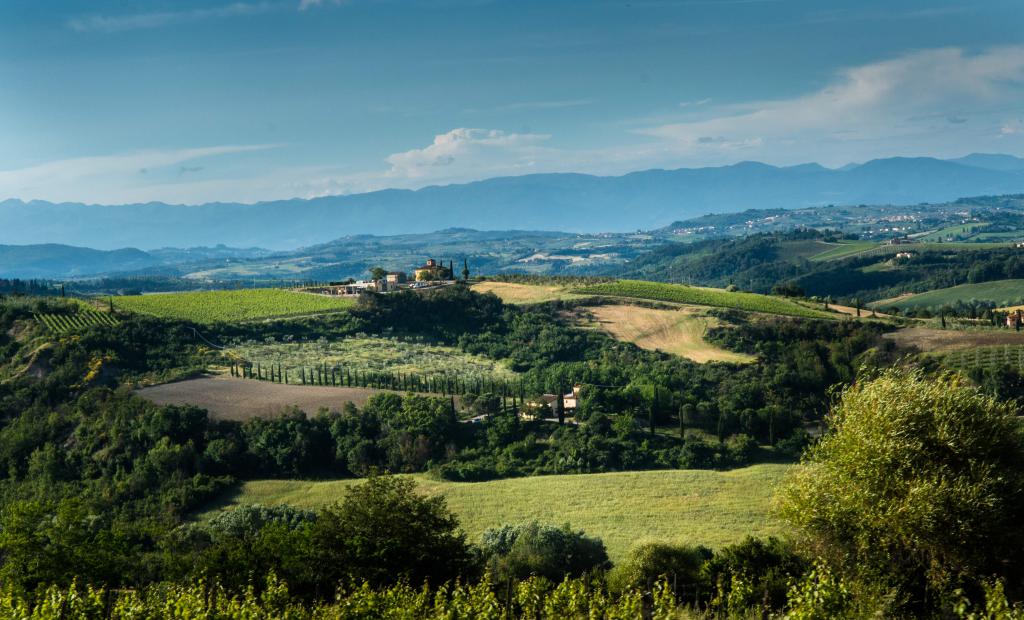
(431, 271)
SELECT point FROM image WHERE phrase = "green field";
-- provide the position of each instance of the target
(1000, 292)
(844, 249)
(231, 306)
(712, 508)
(377, 354)
(959, 231)
(700, 296)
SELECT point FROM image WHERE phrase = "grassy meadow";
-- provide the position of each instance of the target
(680, 332)
(712, 508)
(372, 353)
(231, 306)
(701, 296)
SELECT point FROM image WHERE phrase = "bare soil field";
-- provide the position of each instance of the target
(940, 340)
(227, 398)
(512, 293)
(680, 332)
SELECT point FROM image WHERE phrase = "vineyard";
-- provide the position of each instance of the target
(65, 323)
(231, 306)
(986, 357)
(700, 296)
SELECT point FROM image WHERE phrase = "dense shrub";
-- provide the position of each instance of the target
(519, 551)
(679, 565)
(918, 487)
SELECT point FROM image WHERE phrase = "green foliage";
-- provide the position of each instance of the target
(518, 551)
(918, 486)
(248, 520)
(753, 573)
(383, 532)
(820, 595)
(270, 598)
(679, 293)
(678, 565)
(231, 306)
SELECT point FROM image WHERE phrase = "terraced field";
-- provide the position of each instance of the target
(706, 507)
(231, 306)
(701, 296)
(680, 332)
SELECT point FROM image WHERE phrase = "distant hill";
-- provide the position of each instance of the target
(1005, 163)
(52, 260)
(573, 202)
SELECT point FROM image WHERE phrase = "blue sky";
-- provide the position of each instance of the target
(130, 101)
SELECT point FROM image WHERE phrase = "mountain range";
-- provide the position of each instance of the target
(560, 201)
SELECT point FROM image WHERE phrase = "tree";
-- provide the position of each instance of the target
(518, 551)
(648, 562)
(378, 273)
(384, 532)
(918, 487)
(686, 412)
(465, 270)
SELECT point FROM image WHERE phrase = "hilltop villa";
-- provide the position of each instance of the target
(431, 271)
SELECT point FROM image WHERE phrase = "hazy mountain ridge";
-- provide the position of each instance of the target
(560, 201)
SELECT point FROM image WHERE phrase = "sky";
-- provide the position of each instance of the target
(121, 101)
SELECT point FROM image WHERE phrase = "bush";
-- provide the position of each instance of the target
(519, 551)
(245, 521)
(679, 565)
(919, 487)
(754, 573)
(740, 449)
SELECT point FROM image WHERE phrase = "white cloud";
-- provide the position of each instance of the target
(143, 21)
(868, 111)
(1012, 128)
(468, 153)
(110, 178)
(694, 104)
(307, 4)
